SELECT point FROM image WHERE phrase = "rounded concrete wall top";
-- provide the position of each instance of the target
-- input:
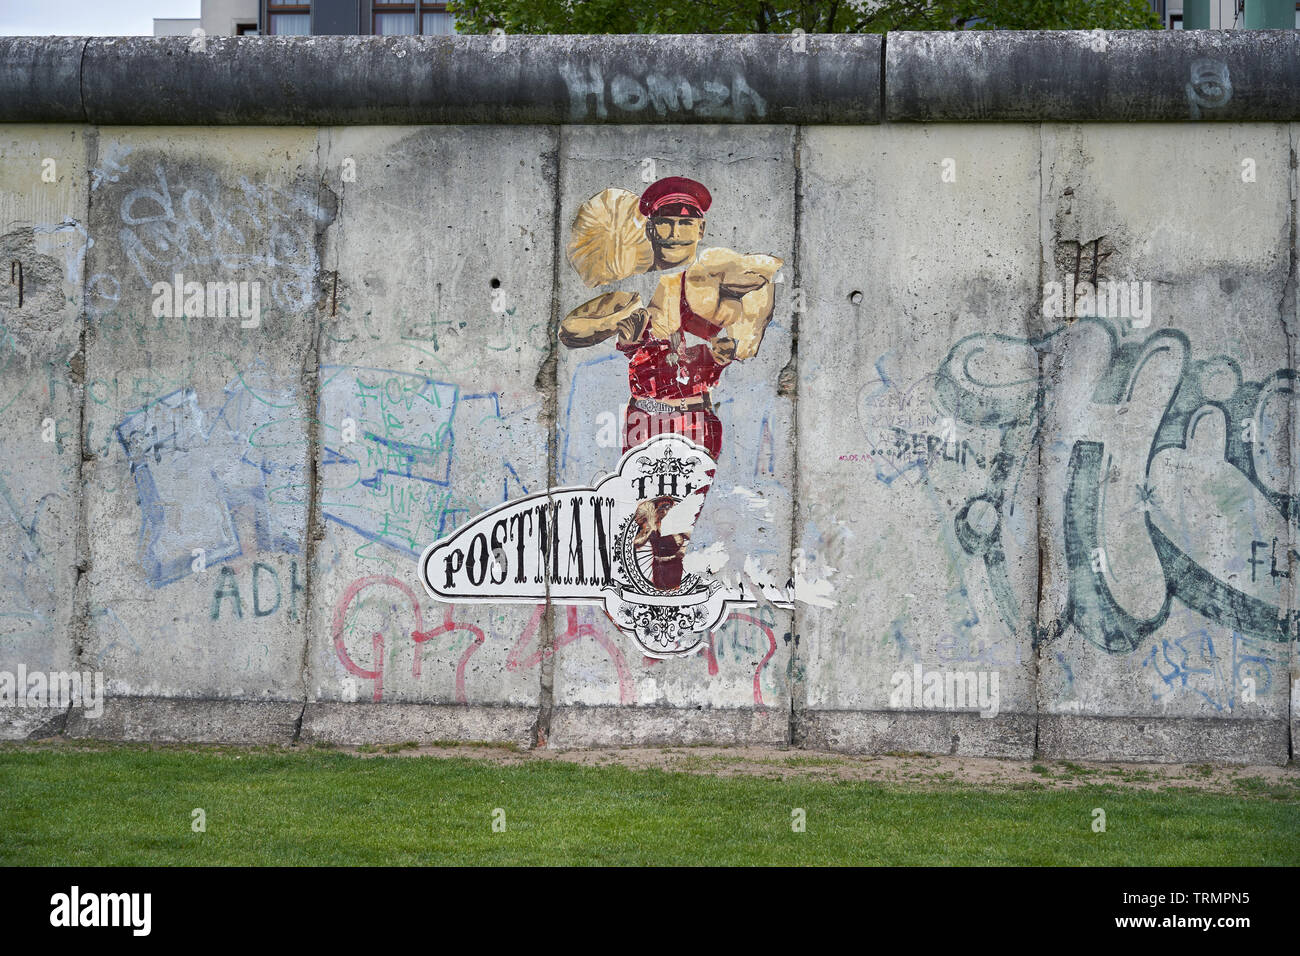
(818, 79)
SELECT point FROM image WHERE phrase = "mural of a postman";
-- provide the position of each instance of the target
(681, 316)
(705, 313)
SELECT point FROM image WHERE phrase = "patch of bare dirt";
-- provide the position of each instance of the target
(906, 769)
(938, 771)
(910, 769)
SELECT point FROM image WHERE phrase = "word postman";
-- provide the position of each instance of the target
(618, 543)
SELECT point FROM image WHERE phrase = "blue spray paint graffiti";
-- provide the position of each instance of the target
(386, 470)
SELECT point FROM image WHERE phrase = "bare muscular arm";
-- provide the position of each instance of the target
(628, 331)
(596, 320)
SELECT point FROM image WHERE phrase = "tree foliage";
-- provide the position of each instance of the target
(811, 16)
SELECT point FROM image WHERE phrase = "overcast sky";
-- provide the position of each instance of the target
(88, 17)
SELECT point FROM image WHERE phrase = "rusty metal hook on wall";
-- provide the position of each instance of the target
(16, 268)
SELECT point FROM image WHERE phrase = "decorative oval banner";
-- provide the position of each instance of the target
(619, 543)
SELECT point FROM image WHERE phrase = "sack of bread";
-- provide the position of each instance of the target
(607, 241)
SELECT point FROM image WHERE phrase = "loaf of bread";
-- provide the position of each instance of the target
(607, 241)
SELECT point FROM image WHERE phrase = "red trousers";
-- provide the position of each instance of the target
(698, 424)
(701, 426)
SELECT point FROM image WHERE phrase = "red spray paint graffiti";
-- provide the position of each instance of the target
(574, 631)
(447, 627)
(377, 640)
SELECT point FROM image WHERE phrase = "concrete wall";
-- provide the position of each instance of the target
(1096, 512)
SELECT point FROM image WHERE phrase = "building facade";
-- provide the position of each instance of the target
(312, 18)
(384, 18)
(1226, 14)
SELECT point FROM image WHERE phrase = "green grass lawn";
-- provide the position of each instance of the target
(132, 806)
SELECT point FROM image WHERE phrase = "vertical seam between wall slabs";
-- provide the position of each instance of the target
(81, 85)
(1035, 629)
(1290, 293)
(80, 624)
(792, 729)
(310, 379)
(884, 73)
(548, 378)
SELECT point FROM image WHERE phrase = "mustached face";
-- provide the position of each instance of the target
(675, 238)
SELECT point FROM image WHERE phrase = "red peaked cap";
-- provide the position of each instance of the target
(675, 196)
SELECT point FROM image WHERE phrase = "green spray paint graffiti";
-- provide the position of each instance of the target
(1168, 462)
